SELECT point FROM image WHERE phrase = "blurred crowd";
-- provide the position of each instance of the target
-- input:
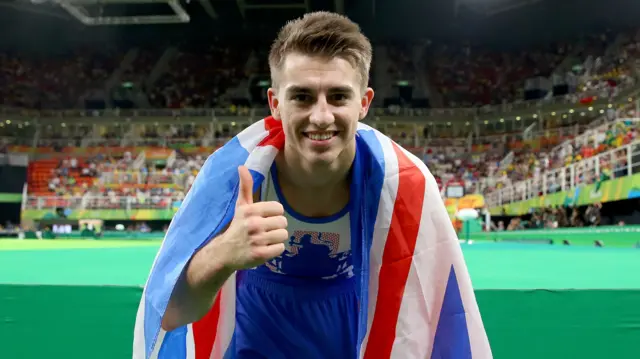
(116, 182)
(216, 76)
(467, 76)
(130, 180)
(554, 217)
(532, 162)
(56, 81)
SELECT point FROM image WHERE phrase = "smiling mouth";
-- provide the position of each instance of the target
(320, 135)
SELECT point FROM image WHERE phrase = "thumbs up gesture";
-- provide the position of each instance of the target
(257, 232)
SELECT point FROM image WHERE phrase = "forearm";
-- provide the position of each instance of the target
(197, 288)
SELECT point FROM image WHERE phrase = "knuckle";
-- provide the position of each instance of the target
(257, 256)
(255, 241)
(252, 224)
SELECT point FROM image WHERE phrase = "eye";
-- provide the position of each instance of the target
(301, 98)
(339, 97)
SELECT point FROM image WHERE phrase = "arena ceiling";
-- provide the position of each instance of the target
(503, 23)
(141, 12)
(145, 12)
(492, 7)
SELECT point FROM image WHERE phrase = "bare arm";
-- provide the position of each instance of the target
(256, 234)
(198, 286)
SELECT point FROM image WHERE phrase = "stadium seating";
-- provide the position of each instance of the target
(141, 162)
(469, 76)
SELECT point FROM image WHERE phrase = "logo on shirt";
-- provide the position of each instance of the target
(327, 239)
(315, 254)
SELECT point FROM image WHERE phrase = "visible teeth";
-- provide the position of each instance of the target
(320, 136)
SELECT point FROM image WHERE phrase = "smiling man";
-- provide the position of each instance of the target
(330, 241)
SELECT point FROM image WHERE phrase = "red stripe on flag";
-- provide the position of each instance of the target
(397, 256)
(275, 137)
(204, 330)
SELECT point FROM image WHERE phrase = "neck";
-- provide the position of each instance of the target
(314, 190)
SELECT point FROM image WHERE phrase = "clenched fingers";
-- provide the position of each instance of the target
(263, 209)
(277, 236)
(259, 224)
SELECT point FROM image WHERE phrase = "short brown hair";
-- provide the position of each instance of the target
(323, 34)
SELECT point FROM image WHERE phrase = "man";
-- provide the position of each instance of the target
(331, 211)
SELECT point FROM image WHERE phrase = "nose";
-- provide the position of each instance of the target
(321, 114)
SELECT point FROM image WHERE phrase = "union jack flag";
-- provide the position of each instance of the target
(415, 293)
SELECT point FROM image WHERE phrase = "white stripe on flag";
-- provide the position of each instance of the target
(430, 276)
(227, 321)
(261, 159)
(425, 283)
(139, 339)
(191, 344)
(381, 229)
(252, 135)
(158, 345)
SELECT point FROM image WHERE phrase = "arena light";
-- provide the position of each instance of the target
(553, 113)
(571, 111)
(518, 118)
(501, 120)
(77, 10)
(601, 111)
(8, 122)
(590, 108)
(535, 115)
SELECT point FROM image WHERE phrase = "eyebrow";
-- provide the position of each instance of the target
(303, 89)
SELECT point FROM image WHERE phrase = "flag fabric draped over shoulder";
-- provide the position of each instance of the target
(415, 293)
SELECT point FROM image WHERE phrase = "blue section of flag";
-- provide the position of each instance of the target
(174, 344)
(206, 209)
(366, 187)
(452, 336)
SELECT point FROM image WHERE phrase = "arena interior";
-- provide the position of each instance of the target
(527, 111)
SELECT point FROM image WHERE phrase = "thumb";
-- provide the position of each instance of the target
(245, 192)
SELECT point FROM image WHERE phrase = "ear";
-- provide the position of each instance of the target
(273, 103)
(365, 102)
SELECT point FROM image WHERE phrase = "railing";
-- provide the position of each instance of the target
(16, 141)
(140, 177)
(618, 162)
(89, 202)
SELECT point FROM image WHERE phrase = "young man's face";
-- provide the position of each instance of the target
(319, 102)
